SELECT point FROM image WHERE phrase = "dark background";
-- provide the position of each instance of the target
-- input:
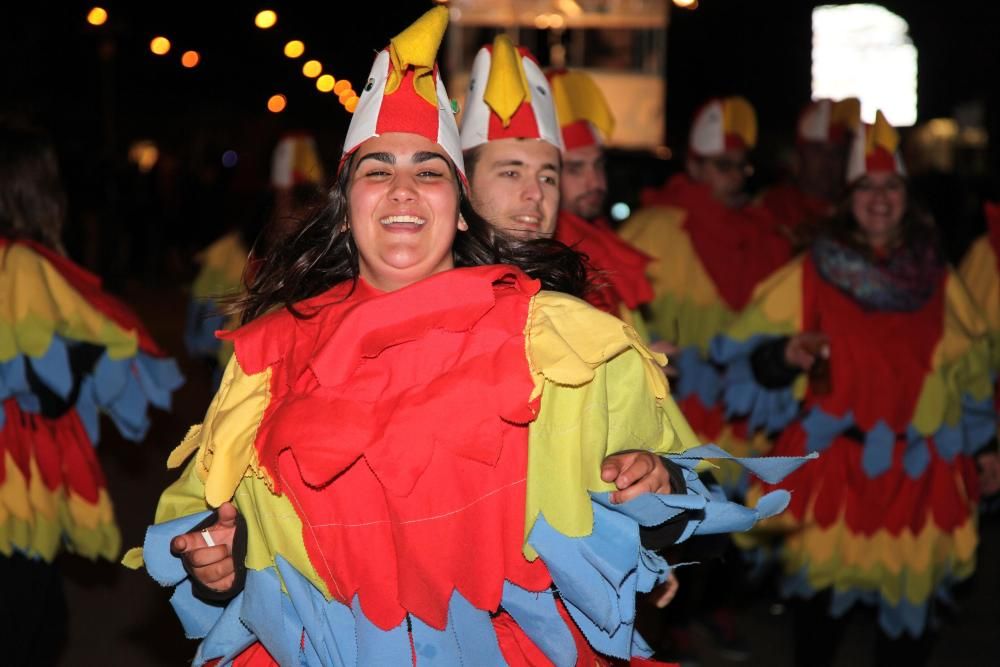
(98, 89)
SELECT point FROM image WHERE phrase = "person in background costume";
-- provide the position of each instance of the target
(980, 272)
(410, 452)
(709, 246)
(511, 141)
(619, 270)
(68, 353)
(297, 179)
(709, 249)
(899, 403)
(822, 140)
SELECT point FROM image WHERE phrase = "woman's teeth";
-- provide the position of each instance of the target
(412, 219)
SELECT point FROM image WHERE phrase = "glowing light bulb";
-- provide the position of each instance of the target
(265, 19)
(277, 103)
(312, 68)
(325, 83)
(97, 16)
(160, 46)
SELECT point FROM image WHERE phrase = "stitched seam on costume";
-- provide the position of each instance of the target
(306, 522)
(422, 519)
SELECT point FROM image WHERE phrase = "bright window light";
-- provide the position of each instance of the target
(865, 51)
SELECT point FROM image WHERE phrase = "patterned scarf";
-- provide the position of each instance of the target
(903, 281)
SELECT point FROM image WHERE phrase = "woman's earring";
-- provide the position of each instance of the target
(345, 226)
(462, 224)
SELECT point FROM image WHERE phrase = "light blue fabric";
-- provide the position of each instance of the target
(917, 456)
(696, 375)
(880, 441)
(768, 409)
(53, 368)
(597, 578)
(202, 321)
(822, 428)
(537, 615)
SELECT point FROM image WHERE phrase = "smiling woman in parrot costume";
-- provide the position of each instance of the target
(418, 455)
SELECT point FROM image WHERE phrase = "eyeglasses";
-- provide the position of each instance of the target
(726, 164)
(894, 185)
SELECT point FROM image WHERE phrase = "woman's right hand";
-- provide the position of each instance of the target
(803, 349)
(208, 554)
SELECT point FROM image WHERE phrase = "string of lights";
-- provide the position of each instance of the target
(265, 19)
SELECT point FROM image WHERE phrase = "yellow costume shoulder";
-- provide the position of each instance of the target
(602, 391)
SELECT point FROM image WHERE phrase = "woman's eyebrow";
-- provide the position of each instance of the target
(387, 158)
(424, 156)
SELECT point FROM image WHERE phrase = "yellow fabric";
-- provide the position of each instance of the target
(881, 135)
(739, 118)
(224, 467)
(978, 272)
(224, 441)
(507, 87)
(577, 97)
(417, 47)
(846, 113)
(909, 564)
(775, 307)
(601, 392)
(960, 363)
(687, 308)
(38, 521)
(306, 162)
(222, 267)
(37, 303)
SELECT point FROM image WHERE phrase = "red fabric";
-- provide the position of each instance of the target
(792, 208)
(880, 160)
(706, 421)
(738, 247)
(405, 111)
(60, 448)
(878, 360)
(424, 450)
(522, 125)
(579, 134)
(836, 485)
(253, 656)
(992, 212)
(89, 287)
(620, 270)
(519, 651)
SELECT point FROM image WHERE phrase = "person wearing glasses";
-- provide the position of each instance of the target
(900, 416)
(710, 247)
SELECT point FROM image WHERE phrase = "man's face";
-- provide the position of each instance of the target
(725, 175)
(584, 182)
(515, 186)
(821, 167)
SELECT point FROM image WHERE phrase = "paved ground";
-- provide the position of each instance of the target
(120, 617)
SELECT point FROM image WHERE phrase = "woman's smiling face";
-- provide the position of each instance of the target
(878, 202)
(403, 199)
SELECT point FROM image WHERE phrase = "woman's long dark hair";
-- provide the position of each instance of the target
(323, 254)
(32, 199)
